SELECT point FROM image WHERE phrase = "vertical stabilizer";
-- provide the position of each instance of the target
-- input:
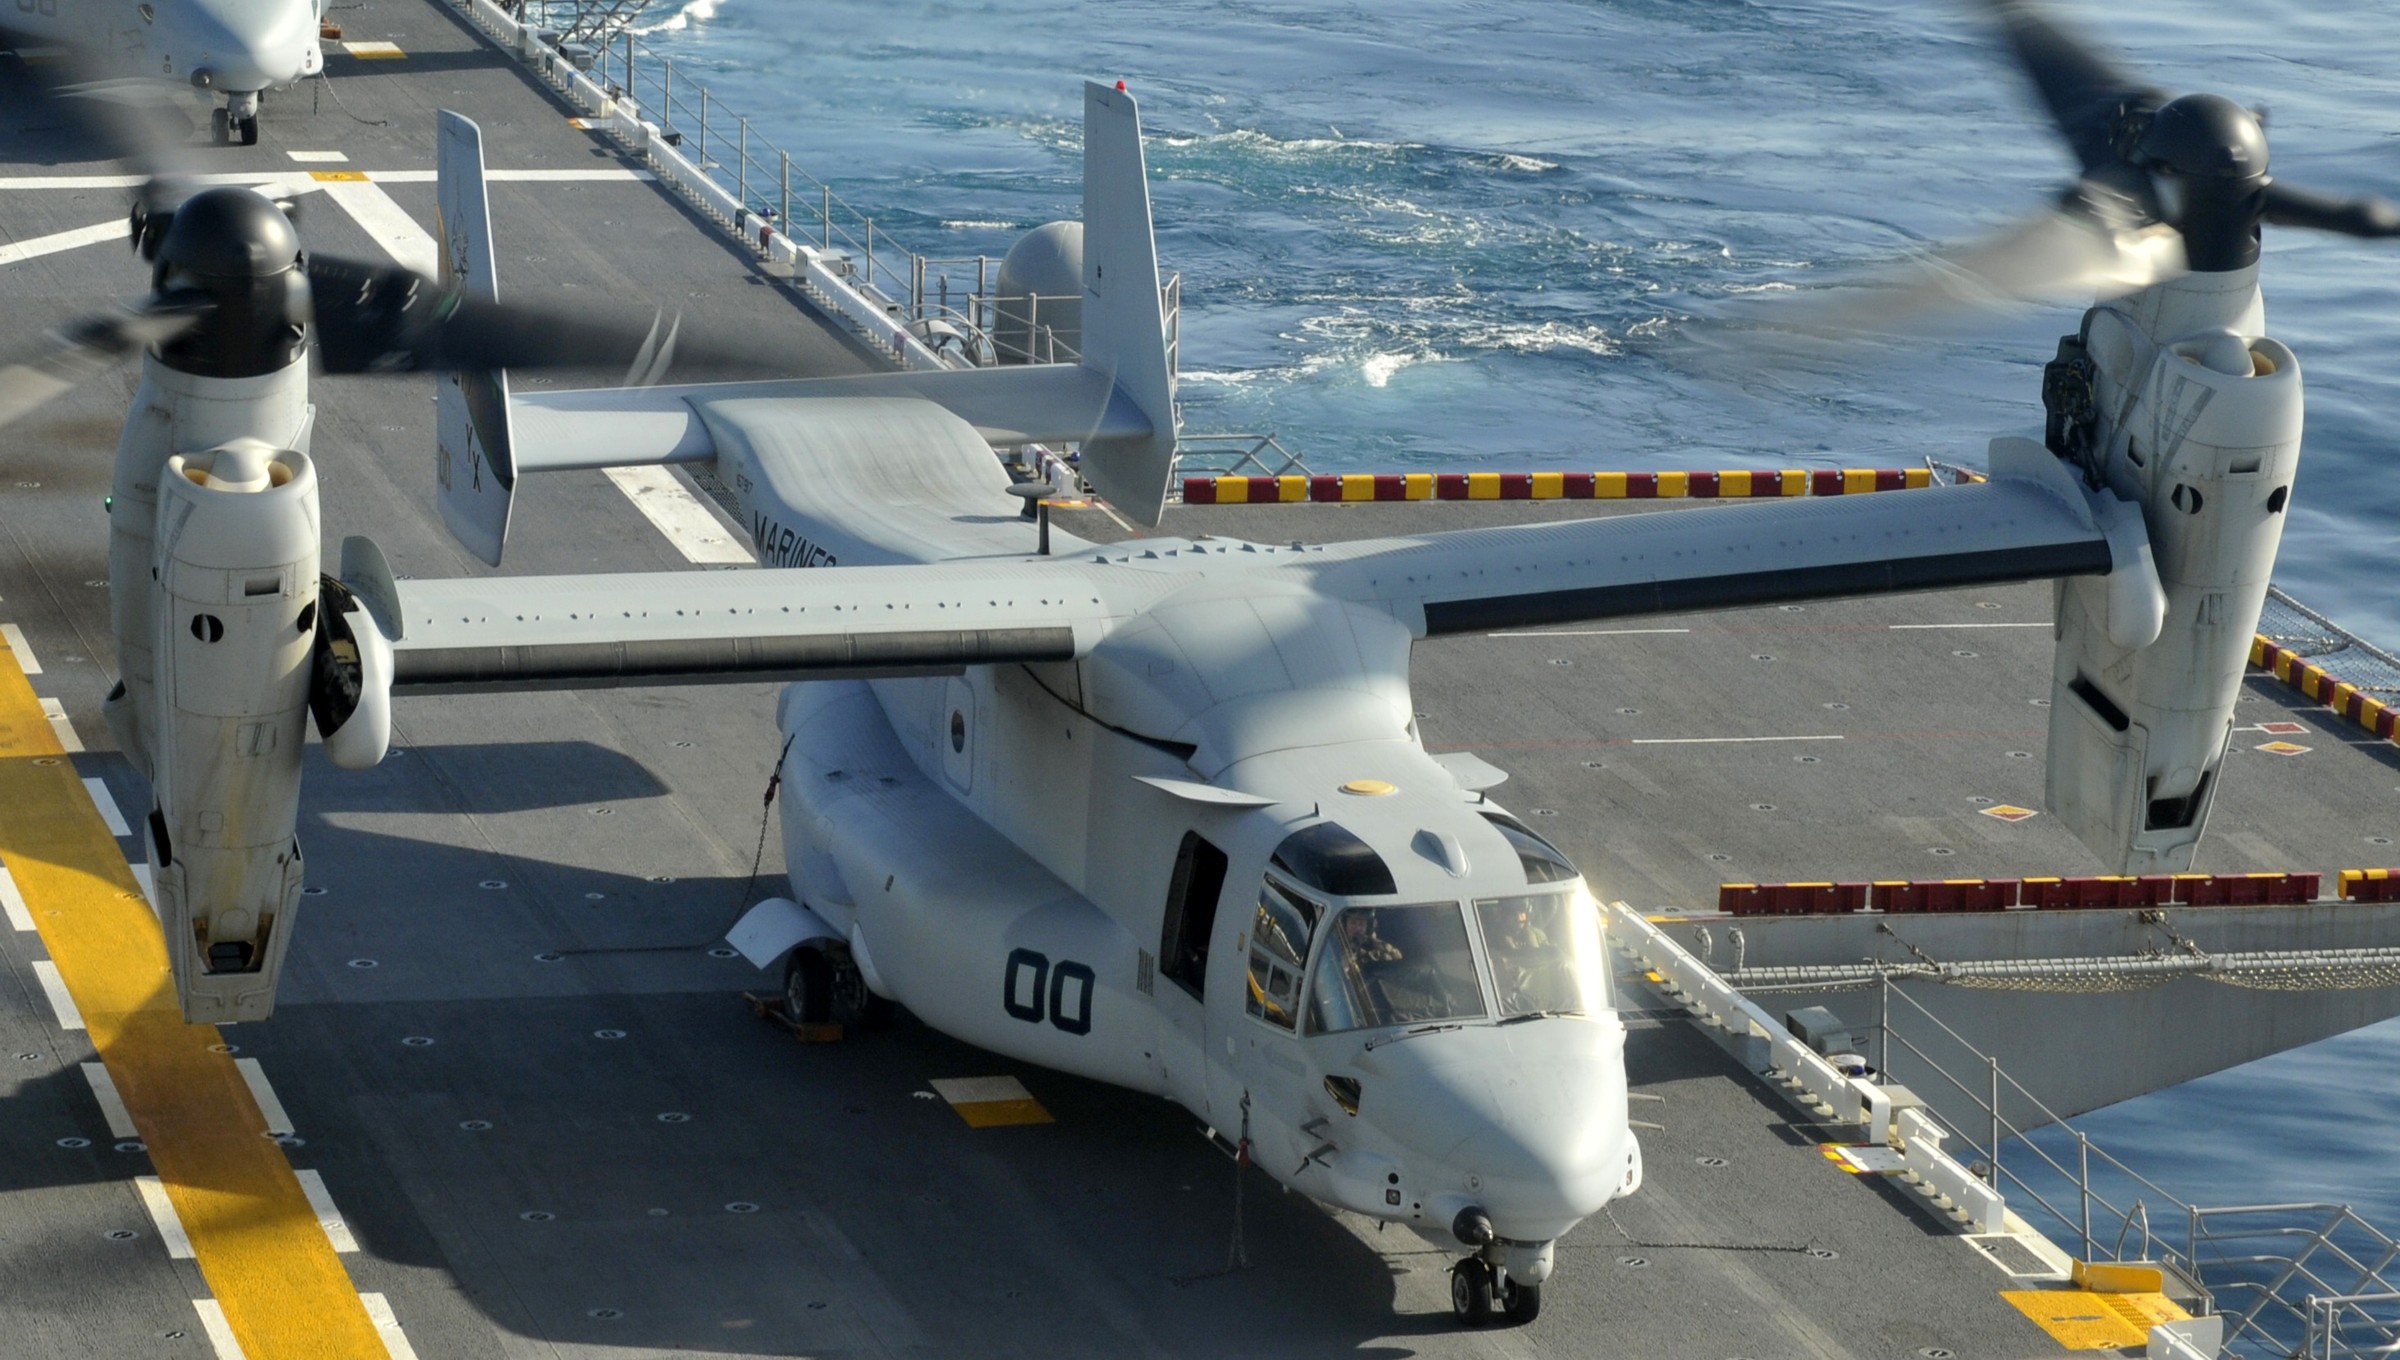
(1124, 324)
(476, 467)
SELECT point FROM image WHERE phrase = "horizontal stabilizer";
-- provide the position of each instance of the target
(627, 426)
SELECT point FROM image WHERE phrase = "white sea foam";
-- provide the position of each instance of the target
(1251, 140)
(697, 11)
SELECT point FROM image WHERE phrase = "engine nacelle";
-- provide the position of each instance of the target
(2202, 432)
(234, 628)
(174, 411)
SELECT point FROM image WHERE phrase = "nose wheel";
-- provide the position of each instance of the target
(1478, 1289)
(1471, 1291)
(226, 127)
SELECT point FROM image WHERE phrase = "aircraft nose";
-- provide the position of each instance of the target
(243, 44)
(1527, 1120)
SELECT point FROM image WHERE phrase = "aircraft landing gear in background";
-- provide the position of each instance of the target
(1479, 1288)
(249, 130)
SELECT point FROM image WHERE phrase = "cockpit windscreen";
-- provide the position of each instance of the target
(1395, 966)
(1546, 953)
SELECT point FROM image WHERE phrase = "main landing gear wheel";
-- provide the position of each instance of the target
(807, 987)
(1471, 1292)
(850, 1004)
(1521, 1302)
(221, 123)
(824, 985)
(249, 130)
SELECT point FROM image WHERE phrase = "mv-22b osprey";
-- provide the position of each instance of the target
(1157, 813)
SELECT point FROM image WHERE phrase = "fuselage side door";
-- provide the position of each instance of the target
(1189, 924)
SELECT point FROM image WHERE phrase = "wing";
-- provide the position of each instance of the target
(2035, 524)
(584, 632)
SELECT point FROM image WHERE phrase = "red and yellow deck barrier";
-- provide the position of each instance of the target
(1905, 896)
(1739, 484)
(2317, 683)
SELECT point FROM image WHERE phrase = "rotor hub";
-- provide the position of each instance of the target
(234, 246)
(2206, 136)
(2206, 157)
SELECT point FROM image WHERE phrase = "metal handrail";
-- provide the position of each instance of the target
(2256, 1256)
(1243, 449)
(763, 178)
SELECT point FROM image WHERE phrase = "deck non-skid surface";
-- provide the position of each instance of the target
(535, 1102)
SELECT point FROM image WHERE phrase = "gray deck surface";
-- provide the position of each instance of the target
(815, 1200)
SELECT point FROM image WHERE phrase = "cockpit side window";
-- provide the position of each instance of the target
(1191, 913)
(1394, 966)
(1331, 859)
(1279, 937)
(1543, 862)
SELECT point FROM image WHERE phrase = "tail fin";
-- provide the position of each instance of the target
(1124, 323)
(476, 463)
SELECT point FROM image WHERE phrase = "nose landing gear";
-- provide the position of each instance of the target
(1479, 1287)
(240, 115)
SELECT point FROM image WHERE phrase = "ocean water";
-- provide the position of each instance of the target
(1421, 234)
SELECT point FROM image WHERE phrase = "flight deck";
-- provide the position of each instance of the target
(526, 1106)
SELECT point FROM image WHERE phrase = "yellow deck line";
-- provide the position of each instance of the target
(252, 1231)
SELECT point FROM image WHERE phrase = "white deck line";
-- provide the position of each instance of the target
(15, 637)
(55, 988)
(162, 1214)
(319, 157)
(13, 901)
(219, 1331)
(17, 252)
(299, 179)
(1717, 741)
(312, 1184)
(149, 881)
(1592, 632)
(1907, 627)
(107, 804)
(675, 512)
(255, 1077)
(112, 1105)
(386, 221)
(56, 712)
(379, 1312)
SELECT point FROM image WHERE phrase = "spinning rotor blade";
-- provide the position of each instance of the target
(89, 346)
(2091, 102)
(382, 319)
(2365, 216)
(2057, 255)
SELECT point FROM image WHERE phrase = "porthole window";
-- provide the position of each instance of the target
(207, 627)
